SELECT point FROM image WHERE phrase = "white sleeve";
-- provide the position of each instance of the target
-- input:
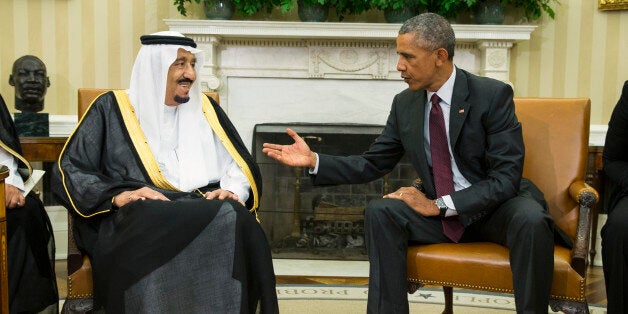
(14, 178)
(451, 210)
(315, 170)
(235, 181)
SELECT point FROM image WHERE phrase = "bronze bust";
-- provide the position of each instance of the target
(30, 79)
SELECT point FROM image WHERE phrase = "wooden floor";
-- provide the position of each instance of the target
(596, 293)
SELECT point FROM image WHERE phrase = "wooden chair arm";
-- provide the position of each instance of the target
(577, 188)
(75, 256)
(586, 197)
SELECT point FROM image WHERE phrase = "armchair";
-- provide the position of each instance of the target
(556, 135)
(80, 284)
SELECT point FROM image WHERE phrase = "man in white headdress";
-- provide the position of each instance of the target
(164, 194)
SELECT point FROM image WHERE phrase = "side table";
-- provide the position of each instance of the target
(46, 149)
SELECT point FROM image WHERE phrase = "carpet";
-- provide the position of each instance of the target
(339, 299)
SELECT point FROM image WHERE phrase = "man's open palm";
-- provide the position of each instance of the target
(297, 155)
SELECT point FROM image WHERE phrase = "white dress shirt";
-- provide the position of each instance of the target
(14, 177)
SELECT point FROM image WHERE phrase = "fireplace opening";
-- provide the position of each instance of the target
(303, 221)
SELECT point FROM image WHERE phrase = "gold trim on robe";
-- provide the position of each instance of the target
(214, 123)
(63, 173)
(140, 143)
(146, 155)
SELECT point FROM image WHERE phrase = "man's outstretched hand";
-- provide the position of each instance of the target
(296, 155)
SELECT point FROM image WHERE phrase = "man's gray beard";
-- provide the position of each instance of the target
(181, 100)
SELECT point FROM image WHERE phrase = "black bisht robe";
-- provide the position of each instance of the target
(102, 158)
(30, 239)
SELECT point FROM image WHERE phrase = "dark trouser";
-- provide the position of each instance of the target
(206, 256)
(615, 263)
(520, 224)
(31, 252)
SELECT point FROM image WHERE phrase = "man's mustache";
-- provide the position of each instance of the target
(184, 80)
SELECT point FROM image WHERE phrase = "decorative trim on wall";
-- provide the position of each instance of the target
(302, 30)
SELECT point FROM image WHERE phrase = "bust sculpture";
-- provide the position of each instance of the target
(30, 79)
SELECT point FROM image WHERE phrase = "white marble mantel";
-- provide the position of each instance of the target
(492, 42)
(276, 29)
(268, 71)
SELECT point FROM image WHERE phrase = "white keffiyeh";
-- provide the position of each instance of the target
(188, 152)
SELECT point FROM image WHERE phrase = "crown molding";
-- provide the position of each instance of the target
(332, 30)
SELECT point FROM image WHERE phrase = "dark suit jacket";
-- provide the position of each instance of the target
(485, 136)
(615, 156)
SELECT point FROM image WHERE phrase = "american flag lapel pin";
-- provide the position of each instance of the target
(461, 111)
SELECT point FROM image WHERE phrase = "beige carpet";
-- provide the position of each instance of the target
(315, 299)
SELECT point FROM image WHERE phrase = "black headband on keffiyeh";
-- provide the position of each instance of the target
(167, 40)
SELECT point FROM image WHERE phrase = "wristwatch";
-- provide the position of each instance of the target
(442, 207)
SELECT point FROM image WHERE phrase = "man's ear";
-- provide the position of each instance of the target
(442, 55)
(47, 81)
(11, 80)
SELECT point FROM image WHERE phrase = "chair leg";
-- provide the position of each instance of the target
(449, 300)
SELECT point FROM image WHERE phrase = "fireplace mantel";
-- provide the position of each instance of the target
(329, 30)
(492, 42)
(275, 72)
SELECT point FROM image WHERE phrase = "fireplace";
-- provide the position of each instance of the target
(308, 222)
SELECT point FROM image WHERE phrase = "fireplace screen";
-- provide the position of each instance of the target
(303, 221)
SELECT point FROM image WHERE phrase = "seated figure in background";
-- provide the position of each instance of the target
(30, 243)
(163, 193)
(615, 231)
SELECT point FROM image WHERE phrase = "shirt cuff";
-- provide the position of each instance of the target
(315, 170)
(15, 180)
(243, 195)
(451, 209)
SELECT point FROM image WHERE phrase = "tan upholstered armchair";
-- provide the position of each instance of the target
(556, 135)
(80, 284)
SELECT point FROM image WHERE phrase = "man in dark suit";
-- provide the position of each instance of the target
(467, 147)
(614, 234)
